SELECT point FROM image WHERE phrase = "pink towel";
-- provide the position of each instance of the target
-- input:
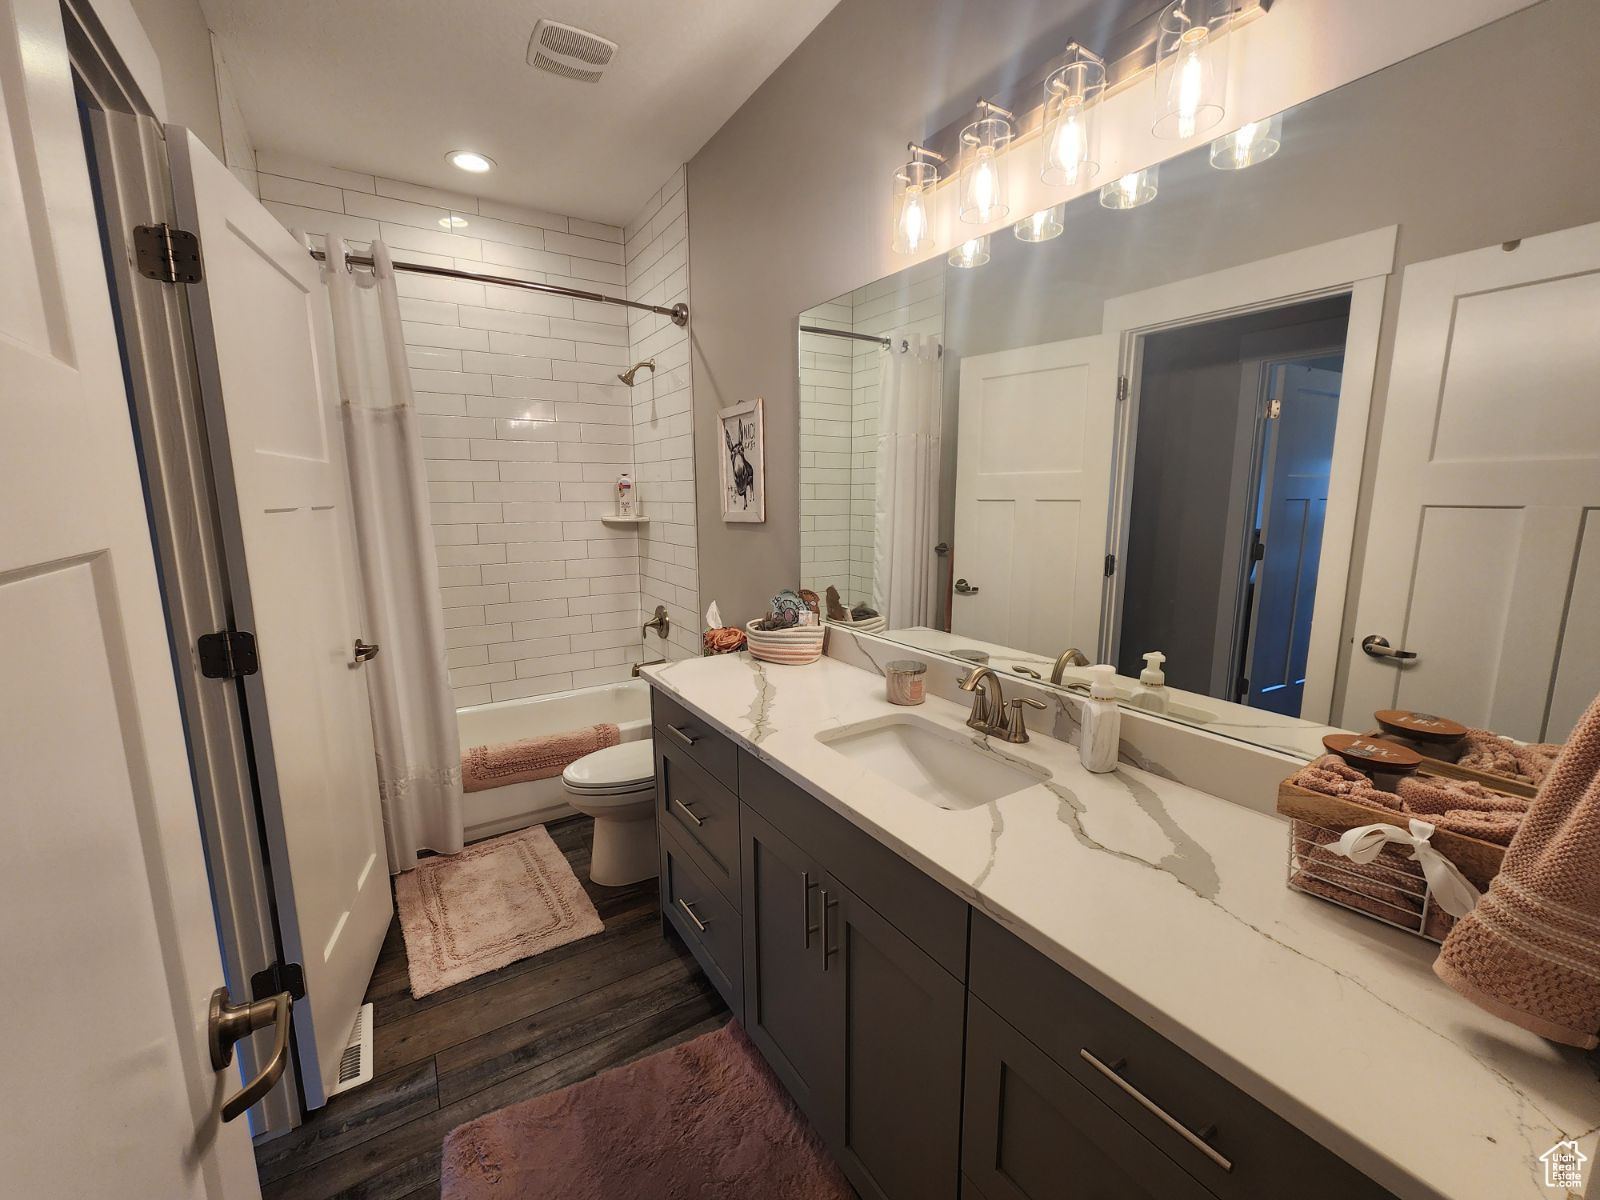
(1530, 951)
(532, 758)
(1490, 752)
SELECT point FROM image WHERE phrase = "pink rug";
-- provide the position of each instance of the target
(702, 1121)
(497, 901)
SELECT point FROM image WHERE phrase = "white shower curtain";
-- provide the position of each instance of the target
(413, 715)
(905, 578)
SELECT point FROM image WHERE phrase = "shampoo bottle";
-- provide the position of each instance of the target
(625, 501)
(1099, 732)
(1153, 695)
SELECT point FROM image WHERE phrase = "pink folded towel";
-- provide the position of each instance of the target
(1530, 951)
(1490, 752)
(532, 758)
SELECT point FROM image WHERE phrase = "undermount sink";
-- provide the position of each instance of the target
(949, 770)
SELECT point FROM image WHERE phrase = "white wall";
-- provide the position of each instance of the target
(525, 425)
(827, 445)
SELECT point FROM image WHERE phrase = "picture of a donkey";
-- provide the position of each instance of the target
(740, 471)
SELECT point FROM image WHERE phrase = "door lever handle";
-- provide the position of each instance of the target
(228, 1022)
(363, 651)
(963, 588)
(1376, 646)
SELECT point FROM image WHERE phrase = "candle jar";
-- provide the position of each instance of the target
(904, 682)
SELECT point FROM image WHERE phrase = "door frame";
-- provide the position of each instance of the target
(1358, 266)
(114, 60)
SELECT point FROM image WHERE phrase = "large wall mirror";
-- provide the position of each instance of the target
(1322, 430)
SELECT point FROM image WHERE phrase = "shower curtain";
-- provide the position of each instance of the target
(905, 576)
(408, 683)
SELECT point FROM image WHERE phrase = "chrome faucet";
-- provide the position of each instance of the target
(990, 713)
(1070, 657)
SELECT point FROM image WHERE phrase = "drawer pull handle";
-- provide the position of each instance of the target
(807, 886)
(1157, 1111)
(689, 812)
(828, 905)
(688, 739)
(688, 910)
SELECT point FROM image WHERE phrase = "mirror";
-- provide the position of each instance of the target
(1323, 432)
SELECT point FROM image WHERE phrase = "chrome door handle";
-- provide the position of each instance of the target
(807, 885)
(689, 812)
(828, 905)
(689, 912)
(1155, 1110)
(228, 1022)
(363, 651)
(1376, 646)
(686, 738)
(963, 588)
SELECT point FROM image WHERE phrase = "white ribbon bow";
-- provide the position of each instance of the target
(1450, 889)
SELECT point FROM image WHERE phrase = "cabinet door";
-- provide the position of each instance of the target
(786, 990)
(1032, 1132)
(892, 1108)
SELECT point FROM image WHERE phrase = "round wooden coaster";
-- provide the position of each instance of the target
(1372, 754)
(1424, 727)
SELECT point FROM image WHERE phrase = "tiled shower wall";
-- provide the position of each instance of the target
(525, 425)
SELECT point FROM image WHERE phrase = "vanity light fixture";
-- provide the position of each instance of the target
(914, 185)
(1253, 142)
(983, 164)
(1191, 67)
(470, 161)
(1043, 225)
(1133, 190)
(973, 252)
(1072, 119)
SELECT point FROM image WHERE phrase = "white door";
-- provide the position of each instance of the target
(1033, 479)
(1484, 554)
(263, 336)
(109, 946)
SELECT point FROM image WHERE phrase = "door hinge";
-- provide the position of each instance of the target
(168, 254)
(227, 655)
(279, 977)
(1274, 409)
(1111, 565)
(1122, 388)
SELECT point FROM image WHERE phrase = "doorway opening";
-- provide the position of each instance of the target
(1232, 441)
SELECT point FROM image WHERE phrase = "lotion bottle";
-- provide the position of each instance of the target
(1153, 695)
(625, 501)
(1099, 721)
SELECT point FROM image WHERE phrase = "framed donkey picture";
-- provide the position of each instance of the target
(744, 468)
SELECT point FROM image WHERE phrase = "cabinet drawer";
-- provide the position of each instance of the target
(1148, 1081)
(702, 914)
(703, 813)
(695, 737)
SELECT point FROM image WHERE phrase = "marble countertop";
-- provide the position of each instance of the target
(1172, 903)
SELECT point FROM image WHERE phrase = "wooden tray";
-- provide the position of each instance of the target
(1478, 860)
(1449, 770)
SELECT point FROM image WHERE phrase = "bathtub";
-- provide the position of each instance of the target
(515, 806)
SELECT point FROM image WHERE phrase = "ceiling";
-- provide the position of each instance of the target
(389, 87)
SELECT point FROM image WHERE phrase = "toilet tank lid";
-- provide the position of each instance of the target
(615, 766)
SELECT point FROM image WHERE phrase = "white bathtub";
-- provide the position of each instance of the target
(517, 805)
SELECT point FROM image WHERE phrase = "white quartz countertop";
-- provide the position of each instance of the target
(1172, 903)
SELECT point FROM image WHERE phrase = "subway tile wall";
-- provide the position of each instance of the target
(525, 424)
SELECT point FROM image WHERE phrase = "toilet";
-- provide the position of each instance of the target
(617, 787)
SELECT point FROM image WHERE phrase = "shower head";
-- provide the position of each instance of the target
(627, 376)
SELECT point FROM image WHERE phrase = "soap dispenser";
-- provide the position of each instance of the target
(1099, 721)
(1152, 695)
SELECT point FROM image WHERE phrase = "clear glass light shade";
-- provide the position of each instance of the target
(1072, 123)
(973, 252)
(1132, 190)
(914, 184)
(1043, 225)
(1191, 67)
(1253, 142)
(983, 170)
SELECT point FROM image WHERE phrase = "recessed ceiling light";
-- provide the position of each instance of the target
(452, 222)
(470, 160)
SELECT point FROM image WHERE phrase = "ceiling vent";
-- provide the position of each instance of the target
(569, 52)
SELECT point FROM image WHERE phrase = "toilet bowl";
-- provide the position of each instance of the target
(617, 787)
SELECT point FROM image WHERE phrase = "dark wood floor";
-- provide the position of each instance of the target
(535, 1026)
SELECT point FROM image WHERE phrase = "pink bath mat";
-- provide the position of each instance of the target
(493, 903)
(702, 1121)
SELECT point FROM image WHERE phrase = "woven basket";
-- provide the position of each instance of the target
(795, 646)
(866, 625)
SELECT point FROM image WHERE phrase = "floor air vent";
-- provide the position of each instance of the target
(569, 52)
(355, 1064)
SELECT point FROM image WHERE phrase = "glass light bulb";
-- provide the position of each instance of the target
(1190, 81)
(1253, 142)
(1072, 143)
(973, 252)
(1041, 226)
(984, 185)
(914, 219)
(1128, 185)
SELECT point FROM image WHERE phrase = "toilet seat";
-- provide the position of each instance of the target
(622, 770)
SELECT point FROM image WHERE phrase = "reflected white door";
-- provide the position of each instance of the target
(263, 337)
(109, 946)
(1484, 553)
(1033, 478)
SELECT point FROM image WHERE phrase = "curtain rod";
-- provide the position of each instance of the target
(845, 333)
(678, 312)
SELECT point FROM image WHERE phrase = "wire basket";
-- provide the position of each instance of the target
(1391, 888)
